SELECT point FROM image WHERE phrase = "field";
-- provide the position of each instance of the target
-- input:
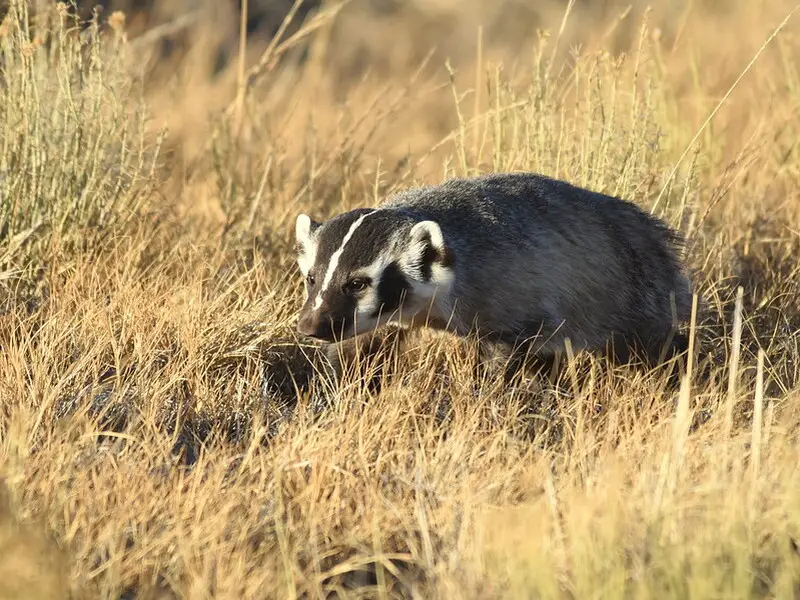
(165, 434)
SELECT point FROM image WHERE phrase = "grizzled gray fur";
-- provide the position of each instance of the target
(520, 259)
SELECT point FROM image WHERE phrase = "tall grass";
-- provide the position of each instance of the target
(164, 434)
(75, 160)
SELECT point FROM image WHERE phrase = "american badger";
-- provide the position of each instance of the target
(520, 259)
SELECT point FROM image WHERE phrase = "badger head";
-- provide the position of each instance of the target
(367, 267)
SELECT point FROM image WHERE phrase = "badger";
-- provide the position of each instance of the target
(521, 260)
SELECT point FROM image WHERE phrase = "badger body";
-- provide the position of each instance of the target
(518, 258)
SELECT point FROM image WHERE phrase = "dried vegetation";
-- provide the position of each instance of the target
(164, 434)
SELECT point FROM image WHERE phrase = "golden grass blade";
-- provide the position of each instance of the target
(722, 102)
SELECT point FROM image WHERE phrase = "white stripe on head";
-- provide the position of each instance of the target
(334, 262)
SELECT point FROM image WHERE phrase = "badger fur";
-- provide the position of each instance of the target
(520, 259)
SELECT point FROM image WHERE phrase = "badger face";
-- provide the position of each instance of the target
(367, 267)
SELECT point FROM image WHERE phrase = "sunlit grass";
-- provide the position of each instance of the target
(163, 433)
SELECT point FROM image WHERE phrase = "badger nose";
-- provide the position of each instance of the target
(308, 324)
(316, 325)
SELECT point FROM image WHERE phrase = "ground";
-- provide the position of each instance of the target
(163, 431)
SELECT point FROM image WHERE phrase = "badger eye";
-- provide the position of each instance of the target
(356, 285)
(310, 280)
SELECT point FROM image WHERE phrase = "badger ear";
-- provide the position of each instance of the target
(427, 233)
(426, 248)
(304, 228)
(305, 245)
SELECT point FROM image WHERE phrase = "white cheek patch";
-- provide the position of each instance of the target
(363, 318)
(369, 303)
(434, 295)
(442, 276)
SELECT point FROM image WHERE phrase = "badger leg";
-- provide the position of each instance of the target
(483, 359)
(674, 350)
(487, 363)
(370, 355)
(668, 348)
(648, 348)
(518, 355)
(527, 356)
(524, 358)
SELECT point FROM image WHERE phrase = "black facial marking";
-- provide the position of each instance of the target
(392, 288)
(368, 241)
(446, 258)
(429, 256)
(433, 255)
(334, 318)
(341, 311)
(334, 231)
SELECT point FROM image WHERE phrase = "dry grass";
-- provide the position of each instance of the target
(162, 432)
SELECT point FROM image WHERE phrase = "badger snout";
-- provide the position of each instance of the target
(324, 322)
(317, 325)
